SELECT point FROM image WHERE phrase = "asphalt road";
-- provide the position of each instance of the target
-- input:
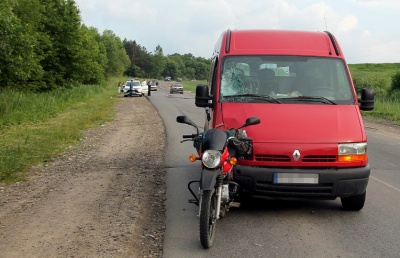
(272, 228)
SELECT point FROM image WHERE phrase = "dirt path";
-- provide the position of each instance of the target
(103, 198)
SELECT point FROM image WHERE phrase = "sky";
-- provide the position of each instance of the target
(367, 30)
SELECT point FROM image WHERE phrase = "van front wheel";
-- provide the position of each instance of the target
(353, 203)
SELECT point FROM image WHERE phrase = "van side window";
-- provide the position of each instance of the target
(342, 81)
(212, 79)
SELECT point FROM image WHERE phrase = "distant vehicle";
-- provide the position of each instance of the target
(136, 88)
(179, 79)
(167, 79)
(176, 88)
(154, 84)
(145, 88)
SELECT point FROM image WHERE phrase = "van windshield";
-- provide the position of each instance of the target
(289, 79)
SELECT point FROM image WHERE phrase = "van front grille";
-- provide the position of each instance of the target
(318, 158)
(284, 158)
(272, 158)
(305, 190)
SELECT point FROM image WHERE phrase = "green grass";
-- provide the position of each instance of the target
(386, 108)
(191, 85)
(379, 77)
(37, 127)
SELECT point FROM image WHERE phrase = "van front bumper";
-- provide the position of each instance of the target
(331, 182)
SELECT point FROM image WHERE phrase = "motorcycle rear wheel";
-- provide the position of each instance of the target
(208, 217)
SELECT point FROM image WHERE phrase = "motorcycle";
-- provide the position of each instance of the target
(218, 150)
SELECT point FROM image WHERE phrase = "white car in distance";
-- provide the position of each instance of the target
(136, 88)
(145, 89)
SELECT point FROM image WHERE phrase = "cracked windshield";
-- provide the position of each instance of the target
(285, 79)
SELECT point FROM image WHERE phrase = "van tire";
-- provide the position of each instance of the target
(353, 203)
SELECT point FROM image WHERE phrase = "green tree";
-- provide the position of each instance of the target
(134, 71)
(59, 42)
(190, 73)
(117, 59)
(93, 57)
(181, 68)
(195, 67)
(157, 63)
(18, 60)
(171, 69)
(138, 55)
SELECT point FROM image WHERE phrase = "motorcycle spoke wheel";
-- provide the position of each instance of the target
(208, 218)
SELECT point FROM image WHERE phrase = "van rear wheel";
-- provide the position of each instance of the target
(353, 203)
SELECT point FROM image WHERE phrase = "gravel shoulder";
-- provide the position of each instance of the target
(382, 126)
(102, 198)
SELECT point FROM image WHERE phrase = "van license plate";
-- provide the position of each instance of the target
(295, 178)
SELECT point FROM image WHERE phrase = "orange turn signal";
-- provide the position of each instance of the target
(192, 158)
(233, 161)
(349, 158)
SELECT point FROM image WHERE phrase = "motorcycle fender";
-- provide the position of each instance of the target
(208, 179)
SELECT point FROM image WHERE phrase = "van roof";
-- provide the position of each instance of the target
(280, 42)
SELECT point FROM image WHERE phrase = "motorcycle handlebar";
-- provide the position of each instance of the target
(192, 137)
(249, 139)
(185, 136)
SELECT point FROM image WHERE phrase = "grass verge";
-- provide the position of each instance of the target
(386, 108)
(191, 85)
(48, 131)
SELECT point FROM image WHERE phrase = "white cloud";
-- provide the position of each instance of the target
(193, 26)
(347, 24)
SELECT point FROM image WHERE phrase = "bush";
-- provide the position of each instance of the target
(360, 83)
(396, 81)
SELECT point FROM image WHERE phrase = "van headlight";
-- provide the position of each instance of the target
(211, 158)
(352, 152)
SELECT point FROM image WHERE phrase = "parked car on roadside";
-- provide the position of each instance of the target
(136, 88)
(176, 88)
(145, 88)
(168, 78)
(154, 84)
(179, 79)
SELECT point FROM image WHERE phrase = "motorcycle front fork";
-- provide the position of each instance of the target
(224, 192)
(219, 185)
(219, 196)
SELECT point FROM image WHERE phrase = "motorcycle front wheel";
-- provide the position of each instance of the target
(208, 217)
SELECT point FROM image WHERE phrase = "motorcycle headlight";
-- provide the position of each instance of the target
(211, 158)
(353, 152)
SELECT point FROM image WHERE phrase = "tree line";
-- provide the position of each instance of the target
(45, 46)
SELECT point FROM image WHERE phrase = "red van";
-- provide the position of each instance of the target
(311, 142)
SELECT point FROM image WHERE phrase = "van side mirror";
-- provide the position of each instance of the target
(202, 97)
(367, 99)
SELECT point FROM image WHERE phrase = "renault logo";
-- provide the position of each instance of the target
(296, 155)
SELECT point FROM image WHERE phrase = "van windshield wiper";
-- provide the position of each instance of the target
(254, 96)
(312, 98)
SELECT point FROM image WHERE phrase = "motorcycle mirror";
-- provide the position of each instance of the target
(186, 120)
(182, 119)
(251, 121)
